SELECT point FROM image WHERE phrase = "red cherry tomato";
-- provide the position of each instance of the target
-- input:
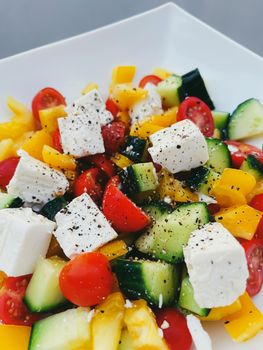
(104, 164)
(7, 170)
(175, 330)
(199, 113)
(239, 152)
(87, 279)
(254, 255)
(257, 202)
(112, 107)
(12, 309)
(124, 215)
(46, 98)
(259, 233)
(113, 136)
(88, 182)
(153, 79)
(56, 140)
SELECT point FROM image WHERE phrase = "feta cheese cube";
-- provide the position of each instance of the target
(151, 105)
(180, 147)
(82, 227)
(24, 237)
(217, 266)
(201, 338)
(91, 104)
(35, 182)
(81, 135)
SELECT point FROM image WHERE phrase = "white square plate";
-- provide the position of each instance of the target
(165, 37)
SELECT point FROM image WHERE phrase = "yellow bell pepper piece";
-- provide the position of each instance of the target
(7, 149)
(114, 249)
(245, 323)
(14, 337)
(165, 120)
(125, 96)
(12, 130)
(106, 324)
(126, 342)
(144, 130)
(227, 196)
(22, 115)
(123, 74)
(123, 116)
(89, 87)
(58, 160)
(121, 161)
(142, 327)
(241, 221)
(258, 189)
(218, 313)
(34, 145)
(162, 73)
(49, 117)
(174, 189)
(3, 277)
(18, 143)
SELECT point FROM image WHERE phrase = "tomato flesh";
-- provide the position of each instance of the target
(124, 215)
(199, 113)
(113, 136)
(254, 255)
(175, 330)
(46, 98)
(104, 164)
(257, 202)
(89, 182)
(7, 170)
(112, 107)
(87, 279)
(239, 152)
(56, 141)
(153, 79)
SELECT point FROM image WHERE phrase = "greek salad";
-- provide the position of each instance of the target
(128, 222)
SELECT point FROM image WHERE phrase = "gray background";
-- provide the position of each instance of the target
(25, 24)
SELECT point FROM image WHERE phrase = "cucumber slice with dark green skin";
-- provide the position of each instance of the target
(157, 209)
(253, 166)
(8, 201)
(167, 237)
(168, 90)
(193, 85)
(220, 119)
(43, 292)
(246, 120)
(64, 331)
(51, 208)
(155, 281)
(134, 148)
(209, 182)
(187, 301)
(219, 155)
(197, 177)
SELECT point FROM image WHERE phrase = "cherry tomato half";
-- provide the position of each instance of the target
(56, 140)
(175, 330)
(104, 164)
(7, 170)
(254, 255)
(87, 279)
(124, 215)
(89, 182)
(113, 136)
(153, 79)
(12, 309)
(46, 98)
(239, 152)
(112, 107)
(257, 202)
(199, 113)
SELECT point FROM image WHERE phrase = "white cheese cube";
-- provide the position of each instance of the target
(81, 135)
(82, 227)
(201, 338)
(151, 105)
(35, 182)
(24, 237)
(217, 266)
(180, 147)
(91, 104)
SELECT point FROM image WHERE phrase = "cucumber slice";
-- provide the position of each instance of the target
(157, 209)
(134, 148)
(246, 120)
(166, 238)
(193, 85)
(154, 281)
(51, 208)
(68, 330)
(43, 292)
(209, 182)
(187, 301)
(197, 178)
(219, 155)
(168, 90)
(220, 119)
(253, 166)
(8, 201)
